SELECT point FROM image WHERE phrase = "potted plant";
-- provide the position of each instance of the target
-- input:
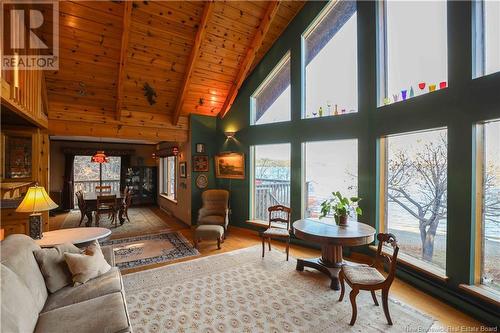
(340, 207)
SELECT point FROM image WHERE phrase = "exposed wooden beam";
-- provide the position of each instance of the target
(127, 16)
(261, 33)
(195, 51)
(82, 128)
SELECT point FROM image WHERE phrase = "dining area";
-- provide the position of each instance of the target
(104, 203)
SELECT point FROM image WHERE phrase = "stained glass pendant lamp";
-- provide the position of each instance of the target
(99, 157)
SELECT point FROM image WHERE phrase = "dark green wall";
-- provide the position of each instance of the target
(457, 108)
(203, 130)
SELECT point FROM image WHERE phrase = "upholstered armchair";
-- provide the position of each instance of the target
(215, 209)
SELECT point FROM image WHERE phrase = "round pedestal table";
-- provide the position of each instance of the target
(332, 238)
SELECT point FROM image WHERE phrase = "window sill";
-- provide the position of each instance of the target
(481, 292)
(417, 265)
(171, 199)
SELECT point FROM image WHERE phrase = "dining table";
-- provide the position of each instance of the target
(90, 199)
(332, 238)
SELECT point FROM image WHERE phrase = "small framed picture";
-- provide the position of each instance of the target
(200, 148)
(200, 163)
(183, 169)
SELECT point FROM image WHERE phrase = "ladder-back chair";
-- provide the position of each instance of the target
(279, 227)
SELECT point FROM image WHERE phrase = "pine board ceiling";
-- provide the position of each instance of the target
(193, 54)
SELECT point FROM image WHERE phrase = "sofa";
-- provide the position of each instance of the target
(27, 306)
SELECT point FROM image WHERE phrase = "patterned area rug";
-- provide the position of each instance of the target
(241, 292)
(141, 219)
(150, 249)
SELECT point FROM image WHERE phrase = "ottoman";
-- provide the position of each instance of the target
(208, 232)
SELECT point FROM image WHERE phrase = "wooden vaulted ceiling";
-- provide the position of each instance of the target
(194, 54)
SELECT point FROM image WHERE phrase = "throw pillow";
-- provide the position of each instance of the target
(87, 265)
(53, 266)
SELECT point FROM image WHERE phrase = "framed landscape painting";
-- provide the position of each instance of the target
(230, 165)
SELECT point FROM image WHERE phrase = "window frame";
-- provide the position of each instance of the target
(252, 162)
(263, 85)
(382, 66)
(478, 25)
(305, 34)
(303, 178)
(478, 43)
(382, 154)
(165, 178)
(478, 223)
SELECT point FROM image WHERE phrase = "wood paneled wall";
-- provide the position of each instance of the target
(14, 222)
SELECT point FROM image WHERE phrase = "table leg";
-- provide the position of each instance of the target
(89, 218)
(120, 215)
(329, 263)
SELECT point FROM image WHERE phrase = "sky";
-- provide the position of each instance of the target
(331, 77)
(330, 164)
(416, 45)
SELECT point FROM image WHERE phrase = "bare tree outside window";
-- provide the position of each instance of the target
(417, 193)
(490, 224)
(417, 184)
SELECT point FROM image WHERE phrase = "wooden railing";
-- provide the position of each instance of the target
(25, 92)
(89, 185)
(270, 192)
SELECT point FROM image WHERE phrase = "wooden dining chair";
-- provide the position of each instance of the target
(279, 227)
(363, 277)
(127, 202)
(103, 188)
(82, 205)
(106, 204)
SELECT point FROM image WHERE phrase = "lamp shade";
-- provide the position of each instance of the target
(36, 200)
(99, 157)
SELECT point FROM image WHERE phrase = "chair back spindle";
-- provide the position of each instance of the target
(391, 260)
(279, 215)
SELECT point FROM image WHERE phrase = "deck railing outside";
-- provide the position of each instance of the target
(89, 185)
(270, 192)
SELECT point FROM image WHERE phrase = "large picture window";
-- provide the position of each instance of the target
(413, 49)
(169, 177)
(329, 166)
(86, 174)
(414, 172)
(486, 37)
(488, 218)
(330, 62)
(270, 178)
(271, 103)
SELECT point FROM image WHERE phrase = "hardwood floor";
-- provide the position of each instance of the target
(239, 238)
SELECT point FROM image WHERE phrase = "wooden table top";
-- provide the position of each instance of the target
(326, 231)
(72, 235)
(88, 196)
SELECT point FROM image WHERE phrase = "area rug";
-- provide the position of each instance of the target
(241, 292)
(141, 219)
(132, 252)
